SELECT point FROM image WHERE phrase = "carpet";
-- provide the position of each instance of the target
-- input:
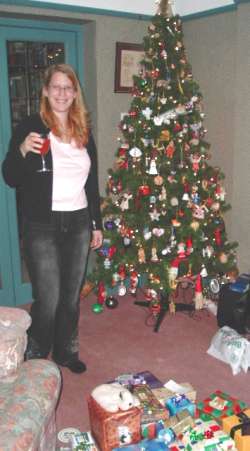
(122, 340)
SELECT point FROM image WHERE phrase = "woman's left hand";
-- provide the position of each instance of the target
(97, 238)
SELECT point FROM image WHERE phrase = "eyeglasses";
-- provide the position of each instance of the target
(57, 89)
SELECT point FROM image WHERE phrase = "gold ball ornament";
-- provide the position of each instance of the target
(223, 258)
(158, 180)
(195, 225)
(165, 135)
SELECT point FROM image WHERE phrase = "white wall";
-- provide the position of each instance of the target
(147, 7)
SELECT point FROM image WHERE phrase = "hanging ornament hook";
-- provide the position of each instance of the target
(164, 8)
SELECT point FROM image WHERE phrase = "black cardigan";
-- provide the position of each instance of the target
(36, 187)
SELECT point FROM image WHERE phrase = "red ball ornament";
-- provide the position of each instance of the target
(122, 151)
(122, 272)
(144, 190)
(177, 127)
(209, 202)
(155, 73)
(111, 251)
(133, 113)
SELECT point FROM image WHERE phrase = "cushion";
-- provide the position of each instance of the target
(14, 323)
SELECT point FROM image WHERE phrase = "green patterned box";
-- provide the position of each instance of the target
(219, 405)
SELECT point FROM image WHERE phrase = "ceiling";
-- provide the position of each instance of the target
(149, 7)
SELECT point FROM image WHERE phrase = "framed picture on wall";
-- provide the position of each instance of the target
(127, 63)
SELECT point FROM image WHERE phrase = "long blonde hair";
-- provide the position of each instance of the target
(78, 117)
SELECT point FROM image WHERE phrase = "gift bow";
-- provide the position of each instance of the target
(199, 436)
(244, 425)
(178, 400)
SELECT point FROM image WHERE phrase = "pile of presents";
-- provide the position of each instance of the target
(166, 417)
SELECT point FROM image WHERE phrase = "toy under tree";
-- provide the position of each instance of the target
(163, 213)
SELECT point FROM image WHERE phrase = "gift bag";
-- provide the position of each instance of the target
(230, 347)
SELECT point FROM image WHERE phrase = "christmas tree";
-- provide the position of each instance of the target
(163, 213)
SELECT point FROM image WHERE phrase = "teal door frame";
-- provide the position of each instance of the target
(12, 290)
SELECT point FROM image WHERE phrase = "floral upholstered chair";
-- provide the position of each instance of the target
(29, 391)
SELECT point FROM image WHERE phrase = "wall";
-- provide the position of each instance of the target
(241, 161)
(212, 57)
(218, 49)
(100, 35)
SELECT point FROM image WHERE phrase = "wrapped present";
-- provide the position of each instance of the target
(154, 445)
(166, 435)
(86, 289)
(129, 380)
(207, 436)
(238, 426)
(135, 447)
(150, 379)
(190, 391)
(177, 403)
(143, 377)
(176, 446)
(179, 422)
(164, 393)
(83, 441)
(181, 389)
(152, 410)
(219, 405)
(112, 430)
(148, 430)
(145, 445)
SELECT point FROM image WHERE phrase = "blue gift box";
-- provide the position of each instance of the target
(180, 402)
(242, 284)
(145, 445)
(135, 447)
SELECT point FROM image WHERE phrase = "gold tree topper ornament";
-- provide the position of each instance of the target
(164, 8)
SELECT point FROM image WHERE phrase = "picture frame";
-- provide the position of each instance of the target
(127, 64)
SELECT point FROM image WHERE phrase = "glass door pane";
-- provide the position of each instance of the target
(27, 62)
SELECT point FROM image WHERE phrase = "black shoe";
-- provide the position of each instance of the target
(74, 365)
(33, 351)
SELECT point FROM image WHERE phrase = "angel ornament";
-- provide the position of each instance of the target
(152, 168)
(141, 255)
(163, 194)
(154, 256)
(124, 205)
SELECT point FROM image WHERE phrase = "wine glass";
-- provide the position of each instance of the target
(43, 151)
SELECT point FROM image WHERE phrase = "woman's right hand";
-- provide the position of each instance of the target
(32, 143)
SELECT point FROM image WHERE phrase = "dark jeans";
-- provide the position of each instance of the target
(56, 256)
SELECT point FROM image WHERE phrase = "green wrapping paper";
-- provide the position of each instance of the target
(219, 405)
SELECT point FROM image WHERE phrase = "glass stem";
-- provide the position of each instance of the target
(43, 162)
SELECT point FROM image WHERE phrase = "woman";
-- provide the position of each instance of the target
(60, 211)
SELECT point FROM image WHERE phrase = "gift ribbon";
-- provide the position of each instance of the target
(196, 436)
(178, 400)
(244, 426)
